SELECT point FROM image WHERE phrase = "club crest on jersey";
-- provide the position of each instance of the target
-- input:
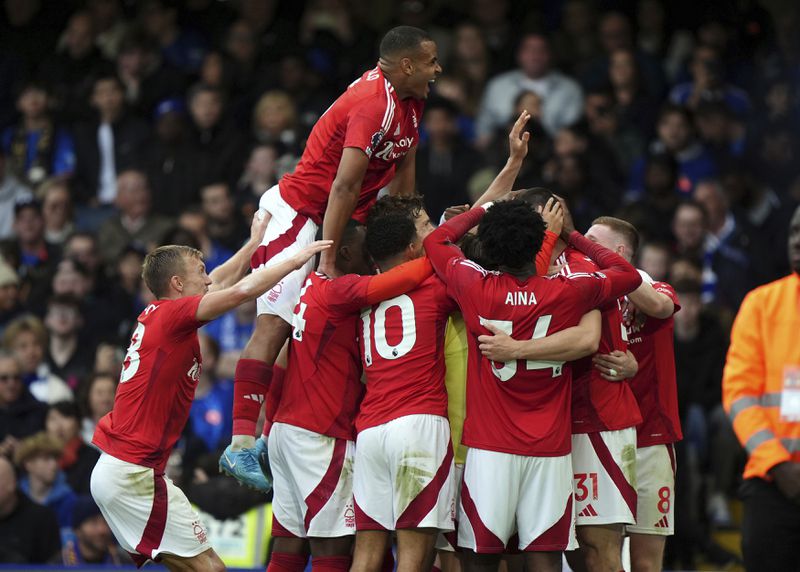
(374, 141)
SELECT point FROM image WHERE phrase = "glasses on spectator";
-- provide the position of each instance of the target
(9, 377)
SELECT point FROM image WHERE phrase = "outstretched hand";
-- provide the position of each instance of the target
(569, 225)
(306, 253)
(518, 138)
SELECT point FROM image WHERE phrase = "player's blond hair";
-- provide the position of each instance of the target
(623, 228)
(163, 263)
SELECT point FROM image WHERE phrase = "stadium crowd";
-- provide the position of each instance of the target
(128, 125)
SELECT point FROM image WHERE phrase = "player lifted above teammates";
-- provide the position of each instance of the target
(365, 141)
(151, 517)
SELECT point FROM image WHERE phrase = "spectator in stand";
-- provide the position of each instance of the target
(171, 161)
(445, 163)
(230, 333)
(562, 96)
(10, 307)
(492, 16)
(575, 43)
(733, 259)
(676, 136)
(183, 49)
(124, 292)
(97, 400)
(146, 79)
(659, 201)
(63, 425)
(708, 84)
(22, 414)
(26, 337)
(275, 122)
(634, 106)
(28, 532)
(135, 223)
(70, 354)
(765, 210)
(82, 246)
(721, 132)
(71, 71)
(109, 26)
(655, 37)
(36, 147)
(210, 417)
(29, 253)
(224, 224)
(615, 33)
(56, 210)
(195, 220)
(245, 58)
(89, 540)
(694, 242)
(655, 259)
(109, 144)
(12, 191)
(43, 482)
(219, 146)
(470, 63)
(621, 142)
(260, 173)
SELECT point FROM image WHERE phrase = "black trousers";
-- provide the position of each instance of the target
(770, 530)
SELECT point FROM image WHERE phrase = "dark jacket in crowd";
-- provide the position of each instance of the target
(22, 418)
(29, 534)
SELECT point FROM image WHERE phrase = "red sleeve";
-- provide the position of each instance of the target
(365, 128)
(447, 259)
(668, 291)
(398, 280)
(181, 316)
(620, 276)
(349, 293)
(545, 252)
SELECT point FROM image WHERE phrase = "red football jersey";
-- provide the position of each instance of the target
(322, 388)
(520, 407)
(402, 350)
(598, 404)
(369, 116)
(651, 342)
(156, 386)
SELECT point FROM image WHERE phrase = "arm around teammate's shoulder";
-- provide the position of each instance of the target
(652, 302)
(250, 287)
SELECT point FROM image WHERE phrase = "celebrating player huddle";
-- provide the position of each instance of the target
(358, 436)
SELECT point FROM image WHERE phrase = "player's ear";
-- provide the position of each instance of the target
(407, 65)
(176, 282)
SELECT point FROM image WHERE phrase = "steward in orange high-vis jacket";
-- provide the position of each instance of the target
(761, 394)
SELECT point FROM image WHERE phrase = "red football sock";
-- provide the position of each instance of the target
(388, 561)
(273, 397)
(285, 562)
(250, 384)
(331, 563)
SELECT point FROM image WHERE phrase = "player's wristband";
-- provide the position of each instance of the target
(487, 206)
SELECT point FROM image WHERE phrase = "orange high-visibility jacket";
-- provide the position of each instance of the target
(765, 341)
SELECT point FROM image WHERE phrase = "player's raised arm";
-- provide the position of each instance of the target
(566, 345)
(341, 203)
(518, 149)
(440, 244)
(232, 270)
(405, 176)
(215, 304)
